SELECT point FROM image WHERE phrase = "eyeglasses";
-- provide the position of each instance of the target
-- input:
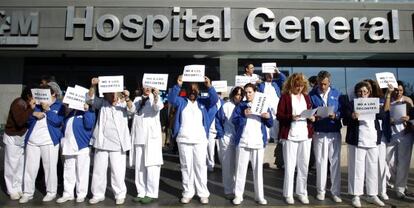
(363, 91)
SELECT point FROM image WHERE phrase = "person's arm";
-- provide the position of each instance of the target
(157, 105)
(89, 118)
(219, 122)
(21, 112)
(55, 117)
(281, 79)
(173, 96)
(267, 118)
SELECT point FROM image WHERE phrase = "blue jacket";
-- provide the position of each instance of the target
(277, 84)
(180, 103)
(54, 121)
(212, 112)
(327, 124)
(239, 121)
(82, 126)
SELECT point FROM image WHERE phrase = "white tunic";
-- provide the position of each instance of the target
(40, 134)
(229, 129)
(298, 129)
(68, 142)
(252, 136)
(192, 129)
(367, 134)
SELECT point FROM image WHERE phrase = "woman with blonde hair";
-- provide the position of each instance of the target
(295, 132)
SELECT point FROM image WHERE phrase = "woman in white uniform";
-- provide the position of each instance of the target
(250, 140)
(147, 139)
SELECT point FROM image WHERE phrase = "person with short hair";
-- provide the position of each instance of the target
(249, 72)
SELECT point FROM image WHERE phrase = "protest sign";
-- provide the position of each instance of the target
(158, 81)
(111, 84)
(220, 86)
(366, 108)
(259, 104)
(194, 73)
(41, 95)
(385, 78)
(242, 80)
(268, 67)
(76, 97)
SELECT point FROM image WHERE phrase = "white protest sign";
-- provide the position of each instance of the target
(308, 113)
(42, 95)
(268, 67)
(366, 108)
(75, 97)
(242, 80)
(158, 81)
(111, 84)
(259, 104)
(220, 86)
(194, 73)
(324, 112)
(385, 78)
(397, 111)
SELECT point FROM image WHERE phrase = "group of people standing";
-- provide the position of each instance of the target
(379, 150)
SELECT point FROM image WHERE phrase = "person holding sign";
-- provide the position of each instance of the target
(16, 127)
(111, 140)
(191, 132)
(77, 131)
(146, 154)
(250, 139)
(225, 134)
(42, 142)
(249, 72)
(400, 147)
(362, 137)
(327, 137)
(296, 134)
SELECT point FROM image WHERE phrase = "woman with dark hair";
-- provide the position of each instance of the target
(296, 134)
(226, 133)
(362, 137)
(250, 140)
(16, 127)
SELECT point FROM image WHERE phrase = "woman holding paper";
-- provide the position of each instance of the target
(42, 142)
(296, 134)
(400, 147)
(111, 140)
(250, 140)
(362, 137)
(77, 131)
(146, 154)
(191, 132)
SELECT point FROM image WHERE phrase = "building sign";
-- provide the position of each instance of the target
(19, 28)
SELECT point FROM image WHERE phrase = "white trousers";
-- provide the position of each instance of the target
(49, 155)
(399, 158)
(296, 154)
(194, 169)
(255, 156)
(362, 166)
(117, 160)
(327, 147)
(76, 173)
(13, 164)
(383, 171)
(147, 179)
(210, 149)
(227, 153)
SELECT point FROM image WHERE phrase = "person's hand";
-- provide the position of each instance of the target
(295, 117)
(156, 92)
(125, 93)
(355, 115)
(405, 118)
(247, 111)
(265, 115)
(332, 116)
(86, 107)
(94, 81)
(312, 118)
(180, 80)
(32, 103)
(277, 70)
(45, 106)
(207, 82)
(38, 115)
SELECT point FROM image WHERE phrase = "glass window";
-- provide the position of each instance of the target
(357, 74)
(407, 76)
(337, 75)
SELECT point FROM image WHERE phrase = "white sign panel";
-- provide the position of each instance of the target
(385, 78)
(220, 86)
(259, 104)
(42, 95)
(242, 80)
(76, 97)
(158, 81)
(268, 67)
(194, 73)
(366, 108)
(111, 84)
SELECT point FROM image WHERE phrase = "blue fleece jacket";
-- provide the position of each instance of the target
(82, 126)
(327, 124)
(277, 84)
(54, 121)
(203, 104)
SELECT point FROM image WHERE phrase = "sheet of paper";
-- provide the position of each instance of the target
(111, 84)
(243, 80)
(324, 112)
(75, 97)
(158, 81)
(308, 113)
(260, 104)
(41, 95)
(220, 86)
(194, 73)
(366, 107)
(398, 110)
(385, 78)
(268, 67)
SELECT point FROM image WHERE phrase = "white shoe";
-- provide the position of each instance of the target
(49, 197)
(185, 200)
(400, 195)
(120, 201)
(237, 200)
(25, 198)
(80, 199)
(290, 200)
(356, 202)
(375, 200)
(204, 200)
(384, 197)
(336, 199)
(14, 196)
(262, 201)
(320, 196)
(95, 200)
(303, 199)
(64, 199)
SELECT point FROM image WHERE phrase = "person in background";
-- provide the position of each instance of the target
(250, 139)
(16, 127)
(42, 142)
(400, 147)
(327, 137)
(77, 133)
(146, 154)
(225, 135)
(296, 134)
(191, 121)
(313, 82)
(249, 72)
(111, 140)
(362, 137)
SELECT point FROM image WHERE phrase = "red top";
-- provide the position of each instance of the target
(284, 115)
